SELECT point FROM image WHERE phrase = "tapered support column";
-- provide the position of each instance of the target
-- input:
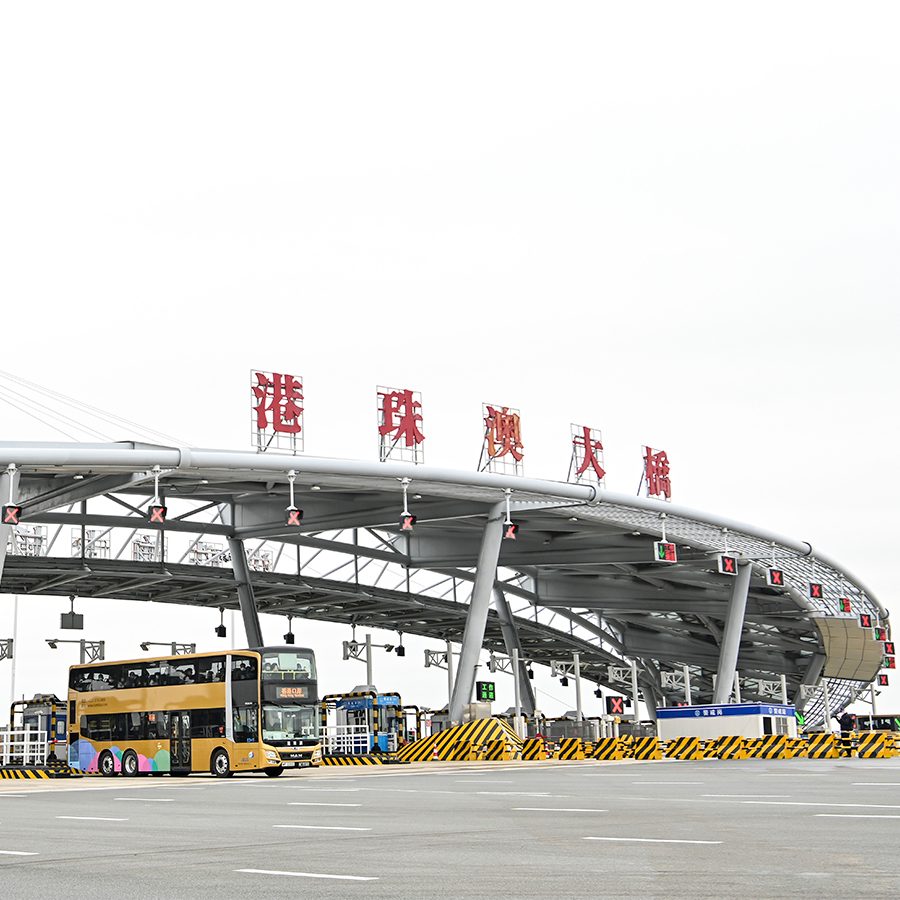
(731, 636)
(473, 637)
(511, 642)
(245, 593)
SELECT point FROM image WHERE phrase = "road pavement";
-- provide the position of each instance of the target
(657, 829)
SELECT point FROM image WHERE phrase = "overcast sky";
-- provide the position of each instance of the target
(674, 222)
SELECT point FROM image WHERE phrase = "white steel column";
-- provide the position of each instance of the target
(9, 475)
(634, 692)
(245, 593)
(687, 684)
(369, 675)
(731, 635)
(576, 658)
(449, 673)
(476, 620)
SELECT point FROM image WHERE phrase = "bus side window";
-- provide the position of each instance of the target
(182, 672)
(211, 669)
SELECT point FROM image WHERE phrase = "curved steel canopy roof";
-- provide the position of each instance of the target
(580, 577)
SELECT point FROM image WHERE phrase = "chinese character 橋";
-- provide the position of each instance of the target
(399, 421)
(656, 473)
(277, 410)
(587, 453)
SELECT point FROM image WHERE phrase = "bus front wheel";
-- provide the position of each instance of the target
(106, 764)
(274, 773)
(219, 765)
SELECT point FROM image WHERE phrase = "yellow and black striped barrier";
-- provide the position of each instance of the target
(351, 761)
(571, 748)
(452, 743)
(503, 750)
(771, 746)
(646, 748)
(607, 748)
(731, 747)
(821, 746)
(875, 745)
(23, 773)
(709, 749)
(684, 748)
(795, 748)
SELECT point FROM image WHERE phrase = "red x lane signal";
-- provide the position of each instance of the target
(865, 620)
(157, 515)
(407, 522)
(728, 565)
(294, 516)
(510, 531)
(883, 681)
(815, 590)
(889, 648)
(11, 514)
(664, 551)
(775, 577)
(615, 706)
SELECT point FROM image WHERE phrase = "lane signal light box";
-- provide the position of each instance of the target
(775, 577)
(815, 590)
(728, 565)
(664, 551)
(484, 691)
(845, 606)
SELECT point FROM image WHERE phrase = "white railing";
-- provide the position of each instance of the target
(346, 740)
(25, 747)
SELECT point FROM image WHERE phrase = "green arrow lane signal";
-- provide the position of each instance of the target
(800, 718)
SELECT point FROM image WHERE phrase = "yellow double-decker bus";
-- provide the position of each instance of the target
(194, 713)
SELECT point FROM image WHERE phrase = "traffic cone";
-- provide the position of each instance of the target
(434, 753)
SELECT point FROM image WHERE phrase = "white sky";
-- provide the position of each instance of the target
(675, 222)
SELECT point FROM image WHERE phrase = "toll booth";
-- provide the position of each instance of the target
(751, 720)
(45, 714)
(362, 722)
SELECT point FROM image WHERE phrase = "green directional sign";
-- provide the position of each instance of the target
(801, 720)
(484, 691)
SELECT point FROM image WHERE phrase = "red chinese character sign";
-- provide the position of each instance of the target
(656, 473)
(277, 411)
(400, 433)
(587, 456)
(503, 450)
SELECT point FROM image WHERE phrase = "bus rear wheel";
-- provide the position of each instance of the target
(130, 765)
(106, 765)
(274, 773)
(219, 764)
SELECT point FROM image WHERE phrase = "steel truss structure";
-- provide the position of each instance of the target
(579, 577)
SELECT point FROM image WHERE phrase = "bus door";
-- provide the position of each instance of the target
(180, 741)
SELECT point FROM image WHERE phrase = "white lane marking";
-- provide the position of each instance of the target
(755, 796)
(13, 795)
(793, 774)
(297, 787)
(650, 840)
(148, 799)
(93, 818)
(480, 781)
(876, 784)
(853, 816)
(17, 853)
(512, 794)
(554, 809)
(802, 803)
(306, 874)
(299, 803)
(324, 827)
(667, 782)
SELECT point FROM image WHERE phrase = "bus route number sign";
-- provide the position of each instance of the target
(292, 692)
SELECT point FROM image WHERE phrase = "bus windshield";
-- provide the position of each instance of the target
(285, 722)
(289, 665)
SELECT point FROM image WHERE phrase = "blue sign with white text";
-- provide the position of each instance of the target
(728, 709)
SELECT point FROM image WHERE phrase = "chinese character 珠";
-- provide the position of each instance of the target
(656, 471)
(399, 416)
(279, 395)
(503, 434)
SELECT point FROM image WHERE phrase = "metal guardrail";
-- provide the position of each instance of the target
(24, 747)
(345, 740)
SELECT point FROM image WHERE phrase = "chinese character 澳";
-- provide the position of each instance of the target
(656, 471)
(279, 395)
(504, 434)
(399, 416)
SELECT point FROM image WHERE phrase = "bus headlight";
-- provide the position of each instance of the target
(271, 755)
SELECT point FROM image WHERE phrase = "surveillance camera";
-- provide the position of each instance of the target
(144, 645)
(400, 650)
(289, 637)
(221, 631)
(564, 681)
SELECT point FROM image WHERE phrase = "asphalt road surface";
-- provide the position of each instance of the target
(814, 828)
